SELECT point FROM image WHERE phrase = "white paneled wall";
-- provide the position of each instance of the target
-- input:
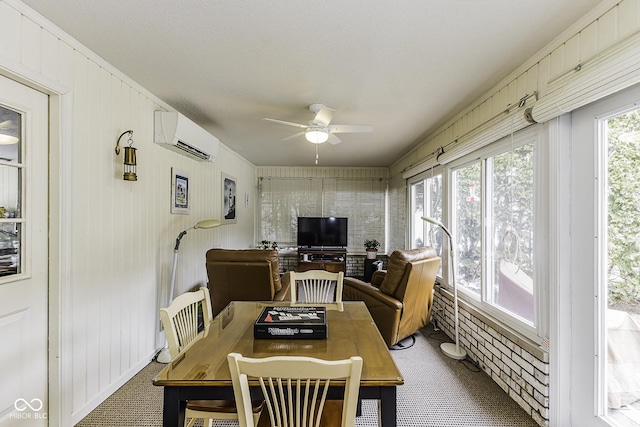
(121, 234)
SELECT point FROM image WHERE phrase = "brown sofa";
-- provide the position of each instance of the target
(399, 298)
(244, 275)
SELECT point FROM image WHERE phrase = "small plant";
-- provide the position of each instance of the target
(371, 244)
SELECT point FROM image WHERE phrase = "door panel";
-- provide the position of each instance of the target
(590, 345)
(23, 255)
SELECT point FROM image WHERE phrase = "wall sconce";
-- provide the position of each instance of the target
(129, 157)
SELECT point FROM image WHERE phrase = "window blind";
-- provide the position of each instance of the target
(283, 200)
(614, 69)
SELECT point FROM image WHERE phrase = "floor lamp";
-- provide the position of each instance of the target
(452, 350)
(163, 356)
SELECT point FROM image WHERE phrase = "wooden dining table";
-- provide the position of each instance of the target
(201, 370)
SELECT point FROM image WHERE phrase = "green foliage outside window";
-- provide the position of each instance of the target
(624, 208)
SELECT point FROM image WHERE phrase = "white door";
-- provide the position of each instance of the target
(605, 262)
(23, 255)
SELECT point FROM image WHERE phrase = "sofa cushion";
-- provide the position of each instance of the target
(396, 266)
(249, 255)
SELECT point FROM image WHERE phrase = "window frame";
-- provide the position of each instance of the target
(535, 134)
(324, 197)
(423, 178)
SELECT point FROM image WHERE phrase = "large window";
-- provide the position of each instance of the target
(487, 201)
(283, 200)
(492, 217)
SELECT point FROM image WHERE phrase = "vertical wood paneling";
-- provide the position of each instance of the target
(607, 29)
(10, 33)
(50, 56)
(628, 18)
(125, 236)
(104, 217)
(571, 53)
(588, 42)
(65, 64)
(92, 305)
(32, 37)
(117, 346)
(123, 233)
(81, 197)
(544, 73)
(556, 66)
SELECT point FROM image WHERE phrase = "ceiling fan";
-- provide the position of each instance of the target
(319, 129)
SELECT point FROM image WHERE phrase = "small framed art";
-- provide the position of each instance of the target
(179, 192)
(228, 199)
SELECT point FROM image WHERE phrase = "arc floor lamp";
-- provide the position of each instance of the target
(452, 350)
(163, 356)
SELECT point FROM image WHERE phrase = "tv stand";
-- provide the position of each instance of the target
(333, 260)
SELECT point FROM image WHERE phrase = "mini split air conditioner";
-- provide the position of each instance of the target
(176, 132)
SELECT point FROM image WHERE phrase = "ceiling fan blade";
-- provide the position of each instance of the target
(323, 116)
(333, 140)
(295, 135)
(282, 122)
(350, 128)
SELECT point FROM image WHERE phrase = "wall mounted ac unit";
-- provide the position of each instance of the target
(176, 132)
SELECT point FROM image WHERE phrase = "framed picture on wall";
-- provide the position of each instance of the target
(228, 199)
(179, 192)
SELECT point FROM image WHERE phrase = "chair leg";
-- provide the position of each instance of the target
(190, 423)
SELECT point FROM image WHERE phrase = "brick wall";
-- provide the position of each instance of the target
(519, 366)
(355, 263)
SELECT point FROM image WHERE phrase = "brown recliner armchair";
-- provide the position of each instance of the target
(399, 298)
(244, 275)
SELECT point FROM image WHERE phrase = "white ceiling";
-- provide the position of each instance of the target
(404, 66)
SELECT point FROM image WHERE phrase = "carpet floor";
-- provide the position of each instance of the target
(438, 392)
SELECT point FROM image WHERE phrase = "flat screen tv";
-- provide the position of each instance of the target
(322, 232)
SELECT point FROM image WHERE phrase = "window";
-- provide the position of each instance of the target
(283, 200)
(11, 180)
(619, 248)
(466, 215)
(492, 200)
(426, 201)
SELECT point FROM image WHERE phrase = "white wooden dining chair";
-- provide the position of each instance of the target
(295, 390)
(188, 317)
(316, 286)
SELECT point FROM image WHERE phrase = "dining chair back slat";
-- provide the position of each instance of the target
(316, 286)
(295, 390)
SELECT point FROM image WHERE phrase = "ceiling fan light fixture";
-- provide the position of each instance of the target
(316, 136)
(8, 139)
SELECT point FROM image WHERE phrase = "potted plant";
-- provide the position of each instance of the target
(371, 246)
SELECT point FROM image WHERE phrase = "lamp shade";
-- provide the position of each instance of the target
(316, 136)
(207, 223)
(7, 139)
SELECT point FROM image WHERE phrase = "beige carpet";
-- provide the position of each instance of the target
(438, 392)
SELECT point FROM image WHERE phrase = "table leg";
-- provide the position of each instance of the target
(173, 410)
(387, 415)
